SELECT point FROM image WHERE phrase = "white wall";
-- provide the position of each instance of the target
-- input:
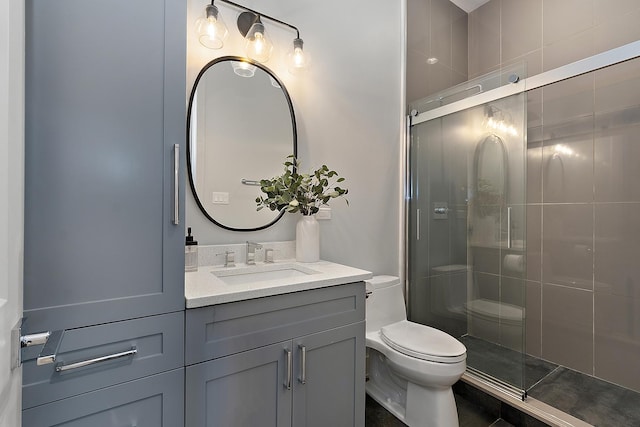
(349, 115)
(11, 199)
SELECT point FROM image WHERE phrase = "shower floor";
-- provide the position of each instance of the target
(585, 398)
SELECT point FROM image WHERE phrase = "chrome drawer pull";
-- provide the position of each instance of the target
(176, 183)
(287, 383)
(303, 364)
(61, 367)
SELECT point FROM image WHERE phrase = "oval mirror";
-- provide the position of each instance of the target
(240, 129)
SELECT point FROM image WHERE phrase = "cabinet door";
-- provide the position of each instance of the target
(148, 402)
(105, 87)
(247, 389)
(329, 384)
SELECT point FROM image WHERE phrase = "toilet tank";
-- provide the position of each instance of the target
(385, 302)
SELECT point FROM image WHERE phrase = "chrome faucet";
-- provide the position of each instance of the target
(251, 252)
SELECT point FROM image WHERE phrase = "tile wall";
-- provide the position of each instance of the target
(439, 31)
(584, 224)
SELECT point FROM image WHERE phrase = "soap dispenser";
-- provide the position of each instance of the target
(190, 253)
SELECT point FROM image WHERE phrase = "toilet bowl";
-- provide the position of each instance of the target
(410, 367)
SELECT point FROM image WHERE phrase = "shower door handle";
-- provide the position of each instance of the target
(509, 245)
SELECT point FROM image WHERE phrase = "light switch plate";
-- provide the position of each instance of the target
(220, 198)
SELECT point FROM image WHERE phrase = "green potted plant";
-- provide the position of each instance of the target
(304, 193)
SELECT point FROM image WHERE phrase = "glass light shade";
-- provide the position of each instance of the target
(258, 46)
(298, 60)
(212, 32)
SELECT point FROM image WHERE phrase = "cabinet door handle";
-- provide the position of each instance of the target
(61, 367)
(287, 383)
(303, 364)
(176, 184)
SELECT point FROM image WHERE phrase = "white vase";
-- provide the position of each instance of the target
(307, 239)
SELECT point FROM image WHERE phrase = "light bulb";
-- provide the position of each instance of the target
(212, 32)
(258, 46)
(298, 60)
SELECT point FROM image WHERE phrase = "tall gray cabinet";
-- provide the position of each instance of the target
(104, 257)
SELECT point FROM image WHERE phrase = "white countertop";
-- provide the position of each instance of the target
(203, 288)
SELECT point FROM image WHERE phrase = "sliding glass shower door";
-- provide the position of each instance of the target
(466, 233)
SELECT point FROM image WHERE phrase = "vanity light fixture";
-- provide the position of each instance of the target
(212, 32)
(257, 44)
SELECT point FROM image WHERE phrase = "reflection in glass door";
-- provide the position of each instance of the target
(466, 230)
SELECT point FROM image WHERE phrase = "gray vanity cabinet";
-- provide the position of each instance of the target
(105, 104)
(289, 360)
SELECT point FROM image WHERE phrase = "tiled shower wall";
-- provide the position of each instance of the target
(583, 223)
(583, 192)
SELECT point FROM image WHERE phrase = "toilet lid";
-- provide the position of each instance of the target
(423, 342)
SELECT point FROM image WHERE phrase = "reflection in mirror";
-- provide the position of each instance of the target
(491, 171)
(241, 127)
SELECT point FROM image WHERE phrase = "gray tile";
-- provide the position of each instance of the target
(521, 27)
(567, 240)
(556, 26)
(616, 171)
(568, 100)
(610, 10)
(459, 41)
(440, 16)
(567, 50)
(617, 232)
(617, 32)
(377, 416)
(485, 259)
(617, 87)
(484, 38)
(475, 408)
(533, 327)
(567, 327)
(567, 169)
(592, 400)
(534, 242)
(617, 339)
(507, 365)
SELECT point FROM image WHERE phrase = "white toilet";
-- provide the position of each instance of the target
(410, 367)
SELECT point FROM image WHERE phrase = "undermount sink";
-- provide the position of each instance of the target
(261, 273)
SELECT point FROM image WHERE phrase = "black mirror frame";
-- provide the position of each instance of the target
(189, 168)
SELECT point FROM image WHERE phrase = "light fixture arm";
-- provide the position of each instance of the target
(262, 15)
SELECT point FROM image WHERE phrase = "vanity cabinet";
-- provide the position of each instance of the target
(105, 104)
(292, 359)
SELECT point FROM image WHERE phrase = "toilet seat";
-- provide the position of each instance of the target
(423, 342)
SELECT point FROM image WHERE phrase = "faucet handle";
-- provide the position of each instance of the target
(229, 258)
(268, 255)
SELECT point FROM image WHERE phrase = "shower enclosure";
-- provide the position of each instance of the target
(466, 226)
